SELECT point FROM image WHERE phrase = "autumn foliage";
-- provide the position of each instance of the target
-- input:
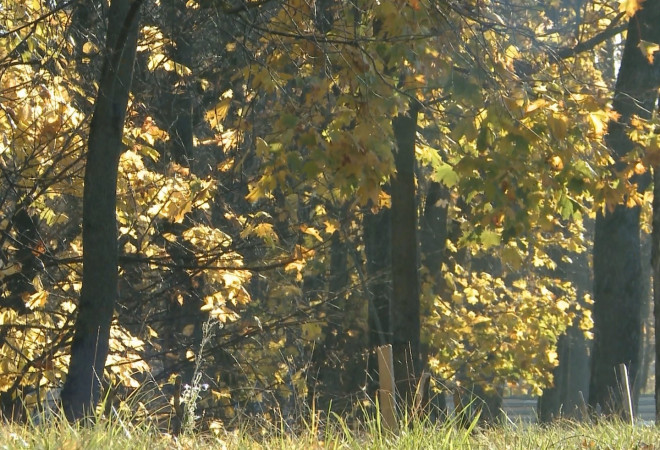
(258, 139)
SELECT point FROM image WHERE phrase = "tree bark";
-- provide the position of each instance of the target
(90, 346)
(405, 264)
(618, 287)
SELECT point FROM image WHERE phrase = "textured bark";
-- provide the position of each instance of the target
(618, 287)
(405, 265)
(89, 348)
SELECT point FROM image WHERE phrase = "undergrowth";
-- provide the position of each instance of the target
(122, 430)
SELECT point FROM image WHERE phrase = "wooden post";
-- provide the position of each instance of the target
(622, 372)
(387, 391)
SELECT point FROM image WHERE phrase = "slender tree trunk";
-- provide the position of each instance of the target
(377, 249)
(405, 264)
(618, 287)
(89, 348)
(433, 237)
(571, 376)
(434, 228)
(329, 358)
(647, 346)
(655, 267)
(180, 113)
(377, 243)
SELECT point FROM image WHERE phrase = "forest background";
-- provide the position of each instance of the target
(271, 189)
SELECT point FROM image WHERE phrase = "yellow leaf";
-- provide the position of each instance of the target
(598, 125)
(648, 49)
(312, 232)
(266, 232)
(558, 126)
(37, 300)
(220, 394)
(556, 162)
(630, 7)
(255, 193)
(218, 114)
(330, 227)
(89, 47)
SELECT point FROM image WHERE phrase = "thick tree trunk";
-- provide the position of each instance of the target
(405, 264)
(618, 287)
(89, 349)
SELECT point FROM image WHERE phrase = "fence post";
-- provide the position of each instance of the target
(387, 389)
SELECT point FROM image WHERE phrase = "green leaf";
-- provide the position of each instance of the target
(489, 238)
(444, 173)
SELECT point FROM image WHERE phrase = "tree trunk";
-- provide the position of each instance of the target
(618, 287)
(405, 272)
(571, 376)
(655, 267)
(647, 346)
(89, 348)
(377, 249)
(433, 236)
(180, 108)
(329, 358)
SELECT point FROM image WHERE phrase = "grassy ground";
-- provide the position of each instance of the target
(123, 434)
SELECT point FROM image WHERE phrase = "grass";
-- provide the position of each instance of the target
(123, 433)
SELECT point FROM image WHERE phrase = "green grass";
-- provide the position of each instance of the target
(333, 433)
